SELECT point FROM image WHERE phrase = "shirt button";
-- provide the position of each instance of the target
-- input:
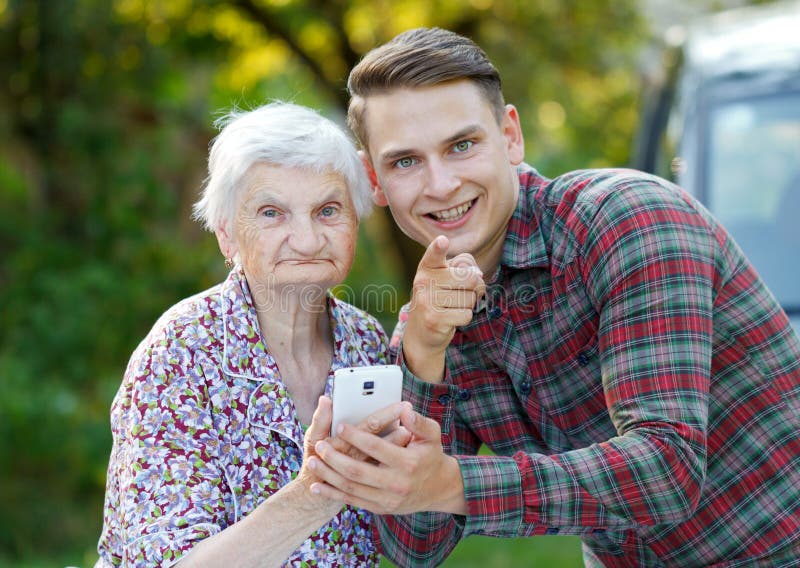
(464, 394)
(525, 387)
(444, 399)
(583, 359)
(551, 530)
(495, 312)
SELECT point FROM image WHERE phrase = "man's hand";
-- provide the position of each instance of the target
(444, 295)
(396, 479)
(321, 426)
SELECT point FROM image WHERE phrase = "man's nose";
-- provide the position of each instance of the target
(442, 180)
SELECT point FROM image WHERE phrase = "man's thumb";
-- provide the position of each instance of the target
(418, 425)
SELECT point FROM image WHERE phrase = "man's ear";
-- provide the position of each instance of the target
(378, 196)
(227, 246)
(512, 130)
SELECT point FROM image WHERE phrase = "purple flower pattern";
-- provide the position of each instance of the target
(205, 430)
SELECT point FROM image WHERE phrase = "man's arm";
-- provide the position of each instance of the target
(647, 259)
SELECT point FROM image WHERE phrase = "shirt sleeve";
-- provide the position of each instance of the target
(648, 263)
(422, 539)
(165, 489)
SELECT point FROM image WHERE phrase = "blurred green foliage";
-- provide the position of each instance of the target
(105, 118)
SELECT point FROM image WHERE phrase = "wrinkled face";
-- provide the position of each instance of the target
(293, 228)
(444, 166)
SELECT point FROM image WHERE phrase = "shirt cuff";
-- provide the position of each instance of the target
(493, 492)
(165, 548)
(432, 400)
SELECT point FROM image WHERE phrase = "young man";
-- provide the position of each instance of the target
(600, 332)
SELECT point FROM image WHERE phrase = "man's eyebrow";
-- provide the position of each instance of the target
(465, 132)
(393, 155)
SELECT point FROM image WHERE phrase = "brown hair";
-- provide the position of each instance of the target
(419, 58)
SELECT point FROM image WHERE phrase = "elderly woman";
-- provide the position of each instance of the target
(210, 421)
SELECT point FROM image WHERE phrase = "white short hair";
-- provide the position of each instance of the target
(283, 135)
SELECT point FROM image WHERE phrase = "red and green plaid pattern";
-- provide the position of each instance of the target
(637, 382)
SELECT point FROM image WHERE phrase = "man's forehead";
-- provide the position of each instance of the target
(420, 116)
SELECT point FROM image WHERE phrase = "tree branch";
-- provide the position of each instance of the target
(276, 28)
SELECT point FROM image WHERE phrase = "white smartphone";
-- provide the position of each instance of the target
(360, 391)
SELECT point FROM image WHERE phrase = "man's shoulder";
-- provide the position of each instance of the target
(580, 193)
(596, 183)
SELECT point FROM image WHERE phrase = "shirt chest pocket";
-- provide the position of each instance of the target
(574, 395)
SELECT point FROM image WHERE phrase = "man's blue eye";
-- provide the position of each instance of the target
(404, 163)
(462, 146)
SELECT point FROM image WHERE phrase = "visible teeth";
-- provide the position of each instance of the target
(452, 214)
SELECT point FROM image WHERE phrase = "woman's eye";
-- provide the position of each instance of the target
(463, 146)
(328, 211)
(270, 213)
(404, 163)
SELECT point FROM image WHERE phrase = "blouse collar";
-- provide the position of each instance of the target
(245, 352)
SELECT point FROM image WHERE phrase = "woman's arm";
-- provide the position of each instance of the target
(277, 527)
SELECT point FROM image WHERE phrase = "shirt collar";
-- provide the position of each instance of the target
(524, 245)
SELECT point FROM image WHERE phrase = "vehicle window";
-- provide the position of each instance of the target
(754, 152)
(753, 184)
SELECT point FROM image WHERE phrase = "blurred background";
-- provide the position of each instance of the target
(106, 111)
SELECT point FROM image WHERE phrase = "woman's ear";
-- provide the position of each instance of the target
(378, 196)
(227, 246)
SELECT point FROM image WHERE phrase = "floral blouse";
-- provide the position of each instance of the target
(205, 430)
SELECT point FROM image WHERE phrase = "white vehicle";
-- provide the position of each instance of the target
(726, 127)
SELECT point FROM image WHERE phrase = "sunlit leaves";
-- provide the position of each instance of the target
(249, 66)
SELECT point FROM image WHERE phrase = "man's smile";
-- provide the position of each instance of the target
(452, 214)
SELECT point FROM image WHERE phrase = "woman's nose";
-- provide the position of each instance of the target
(305, 236)
(442, 180)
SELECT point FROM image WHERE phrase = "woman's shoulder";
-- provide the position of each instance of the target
(167, 361)
(190, 324)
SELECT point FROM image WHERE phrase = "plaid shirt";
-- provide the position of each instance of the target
(639, 386)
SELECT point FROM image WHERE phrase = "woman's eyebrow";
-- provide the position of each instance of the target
(265, 194)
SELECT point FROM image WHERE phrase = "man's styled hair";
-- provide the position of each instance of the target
(419, 58)
(283, 135)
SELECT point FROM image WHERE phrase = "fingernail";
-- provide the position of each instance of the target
(315, 489)
(312, 463)
(320, 446)
(340, 428)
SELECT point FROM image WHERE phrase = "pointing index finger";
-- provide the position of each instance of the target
(436, 254)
